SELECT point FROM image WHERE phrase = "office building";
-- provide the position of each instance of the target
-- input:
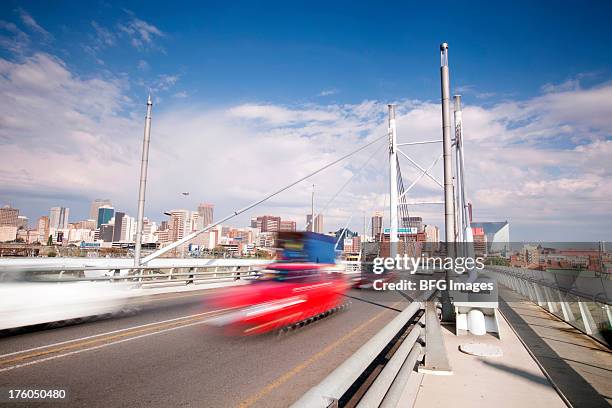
(317, 226)
(287, 225)
(8, 216)
(497, 236)
(377, 222)
(95, 206)
(205, 212)
(105, 213)
(413, 222)
(58, 217)
(43, 229)
(118, 224)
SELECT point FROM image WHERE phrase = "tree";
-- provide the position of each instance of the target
(50, 241)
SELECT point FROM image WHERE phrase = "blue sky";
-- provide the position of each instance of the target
(290, 52)
(243, 90)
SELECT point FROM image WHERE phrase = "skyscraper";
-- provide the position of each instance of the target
(58, 217)
(43, 229)
(179, 224)
(318, 223)
(95, 205)
(119, 216)
(8, 216)
(377, 221)
(205, 211)
(105, 213)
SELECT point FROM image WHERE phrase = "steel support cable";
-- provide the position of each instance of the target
(346, 183)
(256, 203)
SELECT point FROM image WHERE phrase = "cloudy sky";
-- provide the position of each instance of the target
(248, 99)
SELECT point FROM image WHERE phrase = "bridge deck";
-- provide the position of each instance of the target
(578, 365)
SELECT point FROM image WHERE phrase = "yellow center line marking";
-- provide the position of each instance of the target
(300, 367)
(106, 338)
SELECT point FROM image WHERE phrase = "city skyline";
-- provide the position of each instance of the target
(222, 133)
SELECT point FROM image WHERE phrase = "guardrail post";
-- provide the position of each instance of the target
(170, 273)
(538, 293)
(568, 315)
(587, 318)
(190, 278)
(552, 308)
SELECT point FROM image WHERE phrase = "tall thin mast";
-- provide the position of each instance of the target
(144, 164)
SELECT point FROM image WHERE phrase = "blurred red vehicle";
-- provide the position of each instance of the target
(288, 294)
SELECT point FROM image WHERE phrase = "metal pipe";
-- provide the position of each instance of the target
(449, 213)
(420, 143)
(384, 380)
(394, 395)
(393, 194)
(144, 163)
(449, 209)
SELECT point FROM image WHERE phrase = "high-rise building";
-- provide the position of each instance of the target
(205, 211)
(95, 205)
(377, 222)
(43, 229)
(180, 224)
(8, 216)
(22, 222)
(432, 233)
(119, 218)
(497, 236)
(317, 226)
(105, 213)
(413, 222)
(287, 225)
(266, 223)
(106, 232)
(58, 217)
(128, 229)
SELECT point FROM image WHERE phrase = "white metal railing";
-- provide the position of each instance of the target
(580, 298)
(163, 271)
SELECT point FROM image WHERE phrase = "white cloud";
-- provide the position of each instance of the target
(143, 65)
(141, 33)
(12, 38)
(540, 162)
(29, 21)
(104, 37)
(328, 92)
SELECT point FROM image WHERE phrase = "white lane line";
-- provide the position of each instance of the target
(110, 332)
(42, 360)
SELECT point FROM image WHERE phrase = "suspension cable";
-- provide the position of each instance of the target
(194, 234)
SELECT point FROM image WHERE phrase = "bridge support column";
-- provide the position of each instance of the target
(144, 164)
(393, 194)
(448, 313)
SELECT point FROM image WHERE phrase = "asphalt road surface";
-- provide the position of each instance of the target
(165, 355)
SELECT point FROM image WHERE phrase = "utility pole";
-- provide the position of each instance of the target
(449, 206)
(144, 164)
(393, 239)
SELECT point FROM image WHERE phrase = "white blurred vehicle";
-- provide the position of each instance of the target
(26, 302)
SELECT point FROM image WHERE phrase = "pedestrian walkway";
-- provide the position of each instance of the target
(578, 365)
(512, 380)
